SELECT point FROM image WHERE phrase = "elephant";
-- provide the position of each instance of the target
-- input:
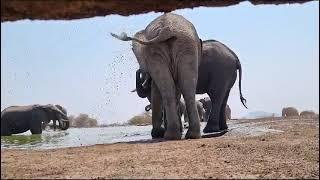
(19, 119)
(308, 114)
(289, 111)
(169, 50)
(217, 74)
(201, 112)
(207, 105)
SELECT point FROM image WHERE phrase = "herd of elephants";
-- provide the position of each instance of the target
(173, 61)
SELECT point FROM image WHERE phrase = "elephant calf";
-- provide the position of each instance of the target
(207, 105)
(19, 119)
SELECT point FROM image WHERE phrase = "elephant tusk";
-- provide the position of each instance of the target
(64, 120)
(145, 81)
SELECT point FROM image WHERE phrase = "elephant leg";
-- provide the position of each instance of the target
(156, 103)
(163, 79)
(188, 76)
(223, 118)
(213, 121)
(54, 124)
(36, 126)
(38, 116)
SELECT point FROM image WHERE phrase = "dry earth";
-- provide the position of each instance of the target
(292, 153)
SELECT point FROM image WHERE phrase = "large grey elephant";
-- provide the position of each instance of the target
(19, 119)
(217, 75)
(289, 111)
(308, 114)
(169, 50)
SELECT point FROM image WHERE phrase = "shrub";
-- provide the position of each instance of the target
(143, 119)
(82, 120)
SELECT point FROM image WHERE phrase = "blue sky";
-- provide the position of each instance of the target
(79, 65)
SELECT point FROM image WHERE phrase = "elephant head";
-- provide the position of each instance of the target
(57, 112)
(143, 83)
(289, 111)
(64, 124)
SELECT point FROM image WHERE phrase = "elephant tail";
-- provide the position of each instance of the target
(242, 99)
(164, 34)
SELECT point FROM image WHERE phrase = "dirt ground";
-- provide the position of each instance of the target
(292, 152)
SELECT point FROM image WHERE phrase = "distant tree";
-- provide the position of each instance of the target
(83, 120)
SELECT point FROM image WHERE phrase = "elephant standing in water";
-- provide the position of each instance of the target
(289, 111)
(216, 76)
(169, 50)
(19, 119)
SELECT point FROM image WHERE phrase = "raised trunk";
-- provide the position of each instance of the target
(142, 92)
(64, 124)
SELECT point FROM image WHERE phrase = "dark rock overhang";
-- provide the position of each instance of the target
(13, 10)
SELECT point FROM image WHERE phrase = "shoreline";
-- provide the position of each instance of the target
(292, 153)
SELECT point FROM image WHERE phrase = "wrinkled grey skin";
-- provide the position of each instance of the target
(207, 105)
(19, 119)
(217, 75)
(308, 114)
(289, 111)
(62, 124)
(169, 50)
(228, 112)
(201, 112)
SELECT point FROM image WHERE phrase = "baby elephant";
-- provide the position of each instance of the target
(207, 105)
(19, 119)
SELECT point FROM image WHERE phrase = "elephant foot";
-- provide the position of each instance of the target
(224, 128)
(211, 129)
(193, 134)
(157, 132)
(172, 135)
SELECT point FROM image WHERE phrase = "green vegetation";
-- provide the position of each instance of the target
(143, 119)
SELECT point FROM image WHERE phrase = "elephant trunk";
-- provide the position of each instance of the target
(64, 124)
(142, 86)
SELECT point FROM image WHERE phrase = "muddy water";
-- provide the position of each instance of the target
(75, 137)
